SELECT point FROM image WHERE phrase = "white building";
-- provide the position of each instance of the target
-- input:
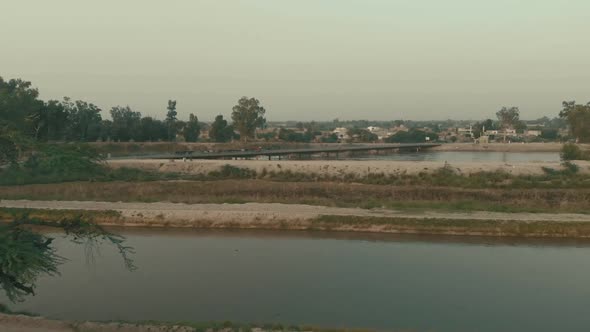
(342, 133)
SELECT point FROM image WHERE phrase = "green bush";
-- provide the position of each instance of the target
(571, 151)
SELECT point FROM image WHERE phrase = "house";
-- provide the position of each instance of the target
(533, 133)
(508, 131)
(483, 139)
(342, 133)
(465, 132)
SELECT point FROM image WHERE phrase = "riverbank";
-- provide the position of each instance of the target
(21, 323)
(428, 195)
(301, 217)
(504, 147)
(341, 168)
(24, 323)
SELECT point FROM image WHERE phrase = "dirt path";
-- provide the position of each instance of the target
(260, 213)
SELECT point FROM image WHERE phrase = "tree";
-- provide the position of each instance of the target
(171, 119)
(26, 255)
(411, 136)
(192, 129)
(19, 105)
(8, 146)
(571, 151)
(54, 121)
(126, 124)
(509, 118)
(362, 135)
(106, 130)
(248, 115)
(220, 131)
(84, 120)
(578, 118)
(549, 134)
(289, 135)
(152, 130)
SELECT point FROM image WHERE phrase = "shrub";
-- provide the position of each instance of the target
(571, 151)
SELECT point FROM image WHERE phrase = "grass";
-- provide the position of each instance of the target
(4, 309)
(438, 226)
(447, 177)
(245, 327)
(411, 198)
(433, 226)
(46, 215)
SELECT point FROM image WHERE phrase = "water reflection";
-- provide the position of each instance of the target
(27, 253)
(328, 279)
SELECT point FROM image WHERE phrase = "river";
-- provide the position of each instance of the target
(336, 280)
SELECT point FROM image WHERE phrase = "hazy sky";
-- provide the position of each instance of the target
(304, 59)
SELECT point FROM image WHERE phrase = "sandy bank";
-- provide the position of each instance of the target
(21, 323)
(259, 214)
(340, 167)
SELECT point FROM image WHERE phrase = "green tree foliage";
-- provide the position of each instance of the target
(549, 134)
(126, 124)
(362, 135)
(332, 138)
(220, 131)
(26, 255)
(8, 150)
(571, 151)
(83, 119)
(289, 135)
(106, 130)
(248, 115)
(51, 122)
(152, 130)
(480, 127)
(508, 117)
(578, 118)
(50, 163)
(12, 142)
(411, 136)
(192, 129)
(19, 105)
(171, 120)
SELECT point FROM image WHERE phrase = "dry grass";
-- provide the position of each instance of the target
(314, 193)
(398, 225)
(454, 227)
(11, 214)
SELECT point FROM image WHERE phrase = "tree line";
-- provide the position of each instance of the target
(22, 110)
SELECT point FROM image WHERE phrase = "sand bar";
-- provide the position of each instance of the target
(179, 214)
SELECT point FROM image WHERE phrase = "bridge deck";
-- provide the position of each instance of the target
(254, 153)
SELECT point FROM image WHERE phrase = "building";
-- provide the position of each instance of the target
(535, 132)
(465, 132)
(342, 133)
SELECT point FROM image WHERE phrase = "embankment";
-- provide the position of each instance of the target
(301, 217)
(334, 194)
(342, 168)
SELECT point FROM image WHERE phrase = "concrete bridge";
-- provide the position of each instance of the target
(336, 150)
